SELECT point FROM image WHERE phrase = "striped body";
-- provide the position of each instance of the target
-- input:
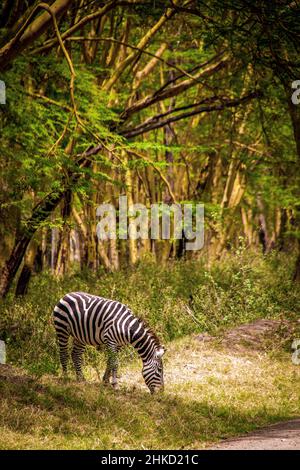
(93, 320)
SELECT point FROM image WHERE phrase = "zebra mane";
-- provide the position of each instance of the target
(150, 332)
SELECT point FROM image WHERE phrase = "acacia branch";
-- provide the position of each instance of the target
(68, 59)
(157, 117)
(251, 148)
(142, 129)
(39, 96)
(194, 69)
(174, 90)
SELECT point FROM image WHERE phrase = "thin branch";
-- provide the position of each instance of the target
(58, 141)
(248, 147)
(193, 69)
(46, 7)
(157, 117)
(39, 96)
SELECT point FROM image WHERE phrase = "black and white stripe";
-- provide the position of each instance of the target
(93, 320)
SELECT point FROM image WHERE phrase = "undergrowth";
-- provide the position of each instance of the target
(178, 299)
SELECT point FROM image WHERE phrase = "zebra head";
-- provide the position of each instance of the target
(153, 371)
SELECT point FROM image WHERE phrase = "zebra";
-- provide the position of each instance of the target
(93, 320)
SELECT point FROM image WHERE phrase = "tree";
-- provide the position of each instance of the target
(120, 97)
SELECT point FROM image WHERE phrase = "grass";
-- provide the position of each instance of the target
(210, 394)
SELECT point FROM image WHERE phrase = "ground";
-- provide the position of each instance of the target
(281, 436)
(216, 389)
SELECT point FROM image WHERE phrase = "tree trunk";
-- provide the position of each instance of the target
(296, 275)
(34, 30)
(24, 278)
(132, 245)
(40, 213)
(64, 237)
(294, 111)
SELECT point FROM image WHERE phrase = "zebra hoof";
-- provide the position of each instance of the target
(64, 378)
(80, 379)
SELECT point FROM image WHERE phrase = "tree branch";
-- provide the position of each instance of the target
(172, 91)
(28, 34)
(157, 117)
(68, 59)
(142, 129)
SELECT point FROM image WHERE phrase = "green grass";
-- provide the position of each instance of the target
(222, 395)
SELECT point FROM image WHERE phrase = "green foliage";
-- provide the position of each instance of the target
(244, 288)
(35, 131)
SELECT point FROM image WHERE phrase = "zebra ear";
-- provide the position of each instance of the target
(160, 352)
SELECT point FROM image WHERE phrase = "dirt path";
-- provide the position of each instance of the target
(244, 339)
(281, 436)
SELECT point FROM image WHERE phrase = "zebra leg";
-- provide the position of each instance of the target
(63, 353)
(77, 351)
(115, 377)
(107, 373)
(112, 365)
